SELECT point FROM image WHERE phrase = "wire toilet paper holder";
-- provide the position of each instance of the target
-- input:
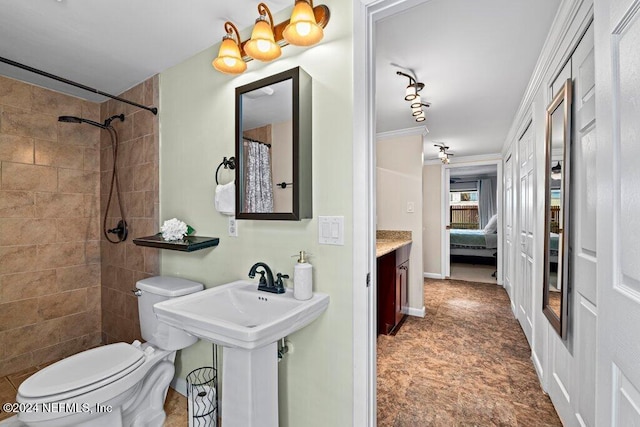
(202, 394)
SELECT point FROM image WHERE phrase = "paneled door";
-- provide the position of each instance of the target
(584, 257)
(526, 161)
(617, 41)
(509, 253)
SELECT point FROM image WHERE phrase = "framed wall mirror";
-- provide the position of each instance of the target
(556, 234)
(273, 147)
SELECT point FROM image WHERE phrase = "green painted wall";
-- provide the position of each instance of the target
(196, 132)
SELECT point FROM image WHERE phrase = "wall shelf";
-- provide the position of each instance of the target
(188, 244)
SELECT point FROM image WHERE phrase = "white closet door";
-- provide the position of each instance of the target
(509, 254)
(526, 160)
(584, 257)
(617, 49)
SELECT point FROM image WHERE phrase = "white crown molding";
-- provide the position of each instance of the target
(418, 130)
(467, 159)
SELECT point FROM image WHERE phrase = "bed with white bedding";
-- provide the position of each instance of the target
(473, 243)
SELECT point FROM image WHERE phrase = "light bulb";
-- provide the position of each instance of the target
(303, 28)
(263, 45)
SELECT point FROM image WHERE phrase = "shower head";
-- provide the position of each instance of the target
(69, 119)
(107, 123)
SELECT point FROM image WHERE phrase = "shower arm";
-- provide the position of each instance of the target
(153, 110)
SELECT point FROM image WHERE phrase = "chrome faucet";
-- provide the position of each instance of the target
(267, 284)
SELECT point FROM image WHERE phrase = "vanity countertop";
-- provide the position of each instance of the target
(388, 241)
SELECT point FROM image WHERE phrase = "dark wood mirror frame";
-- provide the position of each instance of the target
(557, 312)
(302, 135)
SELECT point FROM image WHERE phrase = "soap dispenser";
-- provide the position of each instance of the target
(302, 278)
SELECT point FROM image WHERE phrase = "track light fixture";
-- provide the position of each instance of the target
(304, 28)
(411, 94)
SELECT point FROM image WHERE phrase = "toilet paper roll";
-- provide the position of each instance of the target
(200, 404)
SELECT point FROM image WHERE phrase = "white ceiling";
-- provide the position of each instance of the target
(113, 45)
(475, 58)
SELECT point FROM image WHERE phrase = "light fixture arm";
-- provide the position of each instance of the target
(232, 30)
(263, 10)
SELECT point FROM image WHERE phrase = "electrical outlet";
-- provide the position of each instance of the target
(410, 207)
(233, 227)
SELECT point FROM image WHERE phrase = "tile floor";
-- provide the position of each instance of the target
(473, 272)
(467, 363)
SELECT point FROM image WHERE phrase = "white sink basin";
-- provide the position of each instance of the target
(238, 315)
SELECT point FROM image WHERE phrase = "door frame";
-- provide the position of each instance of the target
(492, 159)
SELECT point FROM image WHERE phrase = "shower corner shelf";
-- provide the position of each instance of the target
(188, 244)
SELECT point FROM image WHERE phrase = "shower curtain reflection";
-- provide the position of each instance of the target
(258, 182)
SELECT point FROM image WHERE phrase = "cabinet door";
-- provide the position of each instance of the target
(401, 290)
(385, 282)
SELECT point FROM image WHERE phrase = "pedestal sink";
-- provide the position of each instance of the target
(247, 323)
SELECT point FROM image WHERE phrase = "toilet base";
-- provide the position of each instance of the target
(140, 403)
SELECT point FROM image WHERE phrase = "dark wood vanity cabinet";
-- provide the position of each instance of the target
(392, 273)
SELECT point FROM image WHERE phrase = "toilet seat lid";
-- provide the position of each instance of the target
(109, 362)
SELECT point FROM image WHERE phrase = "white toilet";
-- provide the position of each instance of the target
(114, 385)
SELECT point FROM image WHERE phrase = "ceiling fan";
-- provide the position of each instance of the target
(443, 153)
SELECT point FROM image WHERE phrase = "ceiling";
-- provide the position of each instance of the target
(113, 45)
(475, 58)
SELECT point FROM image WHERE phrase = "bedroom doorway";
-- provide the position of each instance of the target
(471, 206)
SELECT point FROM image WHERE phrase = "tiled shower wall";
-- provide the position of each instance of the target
(49, 227)
(125, 263)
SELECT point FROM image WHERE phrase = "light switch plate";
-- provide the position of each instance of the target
(233, 227)
(331, 230)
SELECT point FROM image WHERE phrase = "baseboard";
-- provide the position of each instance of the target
(417, 312)
(433, 276)
(538, 367)
(179, 385)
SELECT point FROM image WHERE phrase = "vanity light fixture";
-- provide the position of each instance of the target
(262, 45)
(229, 60)
(305, 28)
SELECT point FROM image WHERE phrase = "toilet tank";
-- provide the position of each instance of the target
(157, 289)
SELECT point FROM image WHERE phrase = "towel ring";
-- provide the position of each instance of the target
(228, 164)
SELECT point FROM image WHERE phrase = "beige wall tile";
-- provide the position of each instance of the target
(26, 231)
(20, 286)
(134, 257)
(54, 103)
(15, 93)
(18, 313)
(77, 229)
(125, 280)
(91, 111)
(60, 155)
(32, 337)
(142, 123)
(91, 159)
(17, 259)
(17, 204)
(27, 123)
(92, 252)
(15, 364)
(81, 276)
(16, 176)
(57, 205)
(152, 261)
(79, 134)
(78, 181)
(143, 177)
(18, 149)
(56, 255)
(62, 304)
(77, 325)
(134, 203)
(124, 130)
(94, 298)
